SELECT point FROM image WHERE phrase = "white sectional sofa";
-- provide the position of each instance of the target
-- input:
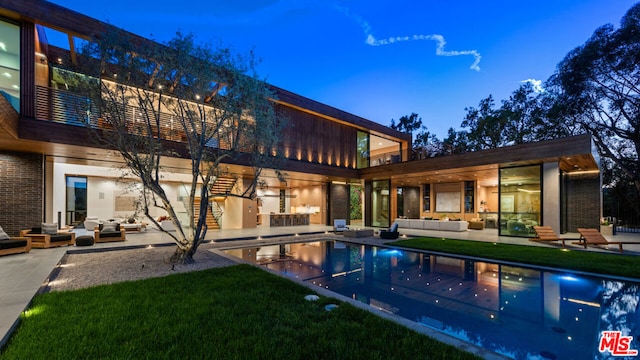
(433, 224)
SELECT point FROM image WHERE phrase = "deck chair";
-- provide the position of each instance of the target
(546, 233)
(340, 225)
(590, 236)
(391, 233)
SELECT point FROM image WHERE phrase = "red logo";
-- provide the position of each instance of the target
(616, 344)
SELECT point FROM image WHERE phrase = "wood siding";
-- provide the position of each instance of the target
(310, 138)
(572, 153)
(27, 70)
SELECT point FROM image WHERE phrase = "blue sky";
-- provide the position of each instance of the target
(381, 59)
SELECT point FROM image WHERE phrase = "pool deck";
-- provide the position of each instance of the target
(23, 275)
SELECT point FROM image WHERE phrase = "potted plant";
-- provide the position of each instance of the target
(606, 228)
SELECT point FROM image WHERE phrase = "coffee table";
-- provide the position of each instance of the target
(134, 227)
(355, 233)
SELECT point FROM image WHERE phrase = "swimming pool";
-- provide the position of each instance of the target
(521, 312)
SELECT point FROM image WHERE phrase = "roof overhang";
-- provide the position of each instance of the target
(573, 154)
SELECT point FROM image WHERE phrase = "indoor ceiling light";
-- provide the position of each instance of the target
(583, 172)
(528, 191)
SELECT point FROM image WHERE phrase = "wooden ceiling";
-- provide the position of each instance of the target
(572, 155)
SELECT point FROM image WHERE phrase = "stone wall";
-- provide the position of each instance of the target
(583, 201)
(339, 202)
(21, 191)
(411, 202)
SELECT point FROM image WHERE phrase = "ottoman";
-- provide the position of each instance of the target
(84, 240)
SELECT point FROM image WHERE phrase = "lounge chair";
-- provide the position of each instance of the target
(340, 225)
(590, 236)
(391, 233)
(546, 233)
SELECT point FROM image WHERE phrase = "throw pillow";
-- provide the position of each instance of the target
(109, 226)
(50, 228)
(3, 235)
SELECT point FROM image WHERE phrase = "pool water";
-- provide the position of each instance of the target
(521, 312)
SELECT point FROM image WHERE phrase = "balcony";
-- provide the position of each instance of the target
(66, 107)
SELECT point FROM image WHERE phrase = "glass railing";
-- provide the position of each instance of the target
(385, 158)
(65, 106)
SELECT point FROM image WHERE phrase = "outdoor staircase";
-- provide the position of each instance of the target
(223, 185)
(212, 223)
(218, 191)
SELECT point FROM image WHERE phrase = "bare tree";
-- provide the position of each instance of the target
(180, 100)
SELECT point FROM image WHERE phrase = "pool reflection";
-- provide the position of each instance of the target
(517, 311)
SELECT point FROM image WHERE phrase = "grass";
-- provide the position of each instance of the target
(237, 312)
(594, 262)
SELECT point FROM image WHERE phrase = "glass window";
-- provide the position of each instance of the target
(10, 63)
(76, 199)
(469, 206)
(363, 150)
(400, 201)
(383, 151)
(380, 203)
(520, 199)
(426, 198)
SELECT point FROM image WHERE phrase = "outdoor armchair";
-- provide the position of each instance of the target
(110, 231)
(340, 225)
(391, 233)
(47, 236)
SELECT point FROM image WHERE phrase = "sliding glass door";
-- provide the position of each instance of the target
(520, 200)
(76, 199)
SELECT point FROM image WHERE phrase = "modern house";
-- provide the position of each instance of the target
(51, 170)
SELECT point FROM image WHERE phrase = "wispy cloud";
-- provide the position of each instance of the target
(537, 85)
(439, 39)
(267, 10)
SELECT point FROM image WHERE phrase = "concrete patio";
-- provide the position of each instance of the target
(23, 275)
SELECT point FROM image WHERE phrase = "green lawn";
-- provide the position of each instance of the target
(238, 312)
(609, 263)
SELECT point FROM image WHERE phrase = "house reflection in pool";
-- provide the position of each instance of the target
(518, 311)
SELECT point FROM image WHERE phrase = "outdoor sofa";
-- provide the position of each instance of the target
(13, 245)
(448, 225)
